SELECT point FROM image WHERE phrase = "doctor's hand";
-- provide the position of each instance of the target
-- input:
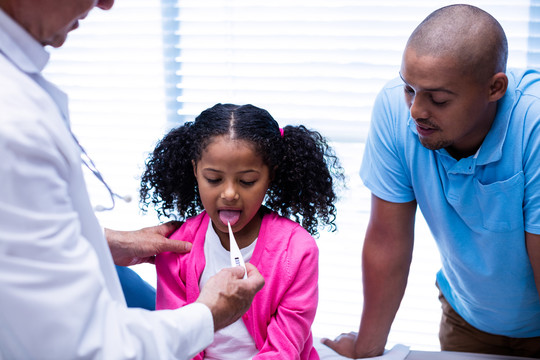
(228, 295)
(141, 246)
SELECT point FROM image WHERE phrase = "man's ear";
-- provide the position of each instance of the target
(498, 86)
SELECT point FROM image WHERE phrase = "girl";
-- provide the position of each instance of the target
(229, 161)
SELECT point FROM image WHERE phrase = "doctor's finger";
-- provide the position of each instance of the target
(176, 246)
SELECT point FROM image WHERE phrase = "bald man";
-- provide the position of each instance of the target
(459, 136)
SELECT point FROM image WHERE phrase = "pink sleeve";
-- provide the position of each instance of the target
(171, 268)
(289, 332)
(177, 274)
(170, 289)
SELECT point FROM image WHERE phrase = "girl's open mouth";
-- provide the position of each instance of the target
(229, 216)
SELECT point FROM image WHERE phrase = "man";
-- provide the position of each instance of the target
(60, 297)
(461, 138)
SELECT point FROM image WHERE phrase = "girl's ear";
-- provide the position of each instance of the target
(498, 86)
(273, 173)
(194, 167)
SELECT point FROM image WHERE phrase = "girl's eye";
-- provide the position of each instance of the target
(247, 183)
(213, 181)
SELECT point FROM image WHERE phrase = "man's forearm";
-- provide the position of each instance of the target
(385, 280)
(386, 259)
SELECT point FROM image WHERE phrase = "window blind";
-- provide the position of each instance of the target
(144, 66)
(318, 63)
(533, 51)
(112, 69)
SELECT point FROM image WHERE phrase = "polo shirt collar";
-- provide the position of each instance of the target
(492, 146)
(20, 47)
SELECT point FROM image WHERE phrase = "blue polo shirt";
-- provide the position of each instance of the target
(477, 208)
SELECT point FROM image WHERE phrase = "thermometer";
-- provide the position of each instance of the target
(236, 255)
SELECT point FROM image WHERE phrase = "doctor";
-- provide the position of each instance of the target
(60, 295)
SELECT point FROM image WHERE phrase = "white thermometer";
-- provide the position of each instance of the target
(236, 255)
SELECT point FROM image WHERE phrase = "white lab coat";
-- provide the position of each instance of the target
(60, 297)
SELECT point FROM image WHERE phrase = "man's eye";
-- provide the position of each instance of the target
(438, 102)
(408, 90)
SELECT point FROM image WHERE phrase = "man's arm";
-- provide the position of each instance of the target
(533, 249)
(140, 246)
(386, 259)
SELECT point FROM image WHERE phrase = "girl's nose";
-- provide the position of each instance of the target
(230, 194)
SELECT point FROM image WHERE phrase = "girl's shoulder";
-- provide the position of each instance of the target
(272, 219)
(274, 226)
(189, 229)
(283, 248)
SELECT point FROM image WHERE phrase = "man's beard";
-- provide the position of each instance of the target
(440, 144)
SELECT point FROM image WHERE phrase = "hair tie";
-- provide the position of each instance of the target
(281, 131)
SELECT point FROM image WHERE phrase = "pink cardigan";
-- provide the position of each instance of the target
(282, 313)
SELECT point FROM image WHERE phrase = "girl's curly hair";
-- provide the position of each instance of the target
(306, 171)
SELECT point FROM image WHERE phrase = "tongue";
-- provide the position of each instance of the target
(231, 216)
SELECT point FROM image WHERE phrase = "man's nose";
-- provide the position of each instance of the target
(105, 4)
(418, 108)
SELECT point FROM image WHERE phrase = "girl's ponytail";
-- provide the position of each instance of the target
(305, 178)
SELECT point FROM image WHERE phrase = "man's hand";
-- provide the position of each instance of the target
(141, 246)
(345, 344)
(228, 296)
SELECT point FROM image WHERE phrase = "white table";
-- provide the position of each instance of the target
(450, 355)
(402, 352)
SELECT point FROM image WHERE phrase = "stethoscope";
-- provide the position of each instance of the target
(89, 163)
(60, 98)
